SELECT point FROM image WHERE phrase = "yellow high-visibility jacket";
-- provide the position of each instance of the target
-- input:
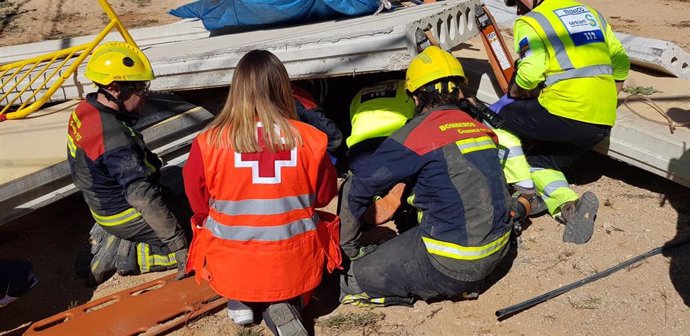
(570, 48)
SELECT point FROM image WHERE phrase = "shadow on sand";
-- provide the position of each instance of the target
(593, 165)
(50, 239)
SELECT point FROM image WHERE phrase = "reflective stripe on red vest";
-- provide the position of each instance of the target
(263, 241)
(270, 233)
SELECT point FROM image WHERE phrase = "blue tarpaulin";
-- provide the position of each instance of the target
(218, 14)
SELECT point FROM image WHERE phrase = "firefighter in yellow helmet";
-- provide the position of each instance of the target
(569, 73)
(135, 232)
(458, 190)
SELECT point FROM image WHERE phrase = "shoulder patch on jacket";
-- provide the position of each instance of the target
(86, 129)
(524, 48)
(443, 127)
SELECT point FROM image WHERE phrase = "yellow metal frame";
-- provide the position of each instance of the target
(19, 72)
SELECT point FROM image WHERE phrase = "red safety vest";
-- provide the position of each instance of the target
(263, 240)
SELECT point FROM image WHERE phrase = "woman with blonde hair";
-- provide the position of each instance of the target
(254, 179)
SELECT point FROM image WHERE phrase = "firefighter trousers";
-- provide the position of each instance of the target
(400, 268)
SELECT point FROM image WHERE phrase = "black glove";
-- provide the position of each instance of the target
(181, 258)
(351, 248)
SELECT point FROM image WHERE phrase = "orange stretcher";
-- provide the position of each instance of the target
(154, 307)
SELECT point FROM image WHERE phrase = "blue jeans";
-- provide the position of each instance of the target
(550, 141)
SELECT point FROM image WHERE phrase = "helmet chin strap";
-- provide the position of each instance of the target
(420, 106)
(523, 9)
(120, 103)
(432, 90)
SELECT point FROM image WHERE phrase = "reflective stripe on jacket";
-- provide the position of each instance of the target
(579, 77)
(513, 160)
(459, 189)
(106, 154)
(261, 239)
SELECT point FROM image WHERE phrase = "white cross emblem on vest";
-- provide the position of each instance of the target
(266, 166)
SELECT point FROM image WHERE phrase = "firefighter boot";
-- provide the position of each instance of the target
(578, 217)
(103, 262)
(284, 319)
(349, 285)
(82, 262)
(126, 261)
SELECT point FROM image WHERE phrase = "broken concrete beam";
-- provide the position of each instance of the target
(33, 178)
(658, 55)
(649, 146)
(504, 15)
(381, 43)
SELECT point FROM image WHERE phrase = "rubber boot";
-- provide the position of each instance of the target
(82, 262)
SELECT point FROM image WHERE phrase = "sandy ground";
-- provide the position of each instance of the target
(639, 211)
(24, 21)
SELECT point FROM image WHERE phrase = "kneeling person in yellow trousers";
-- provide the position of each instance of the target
(518, 174)
(570, 70)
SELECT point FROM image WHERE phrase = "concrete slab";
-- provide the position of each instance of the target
(31, 144)
(657, 55)
(650, 147)
(33, 153)
(504, 15)
(379, 43)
